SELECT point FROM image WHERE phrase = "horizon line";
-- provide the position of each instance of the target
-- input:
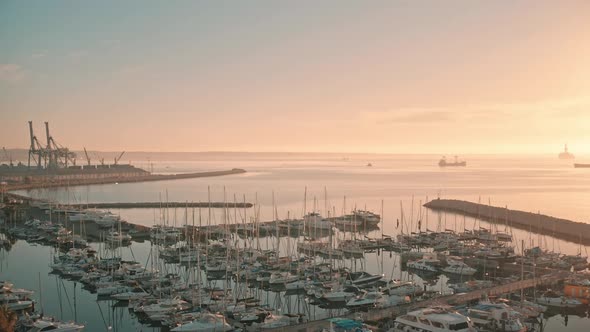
(315, 152)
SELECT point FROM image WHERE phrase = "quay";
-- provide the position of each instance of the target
(155, 205)
(535, 222)
(376, 315)
(83, 179)
(136, 205)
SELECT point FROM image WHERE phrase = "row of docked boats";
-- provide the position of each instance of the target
(20, 302)
(484, 315)
(172, 301)
(55, 233)
(104, 219)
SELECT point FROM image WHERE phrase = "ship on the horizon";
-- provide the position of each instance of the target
(582, 165)
(566, 154)
(444, 163)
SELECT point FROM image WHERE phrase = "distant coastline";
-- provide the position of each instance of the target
(20, 154)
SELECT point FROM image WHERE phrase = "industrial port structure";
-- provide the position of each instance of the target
(50, 156)
(53, 165)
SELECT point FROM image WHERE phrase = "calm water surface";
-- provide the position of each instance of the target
(542, 184)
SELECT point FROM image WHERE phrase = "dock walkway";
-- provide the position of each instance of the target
(155, 205)
(60, 181)
(375, 315)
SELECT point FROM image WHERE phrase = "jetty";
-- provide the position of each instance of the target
(155, 205)
(376, 314)
(535, 222)
(60, 180)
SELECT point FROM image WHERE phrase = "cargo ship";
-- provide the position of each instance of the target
(577, 165)
(444, 163)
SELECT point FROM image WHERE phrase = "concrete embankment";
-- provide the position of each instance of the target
(84, 181)
(560, 228)
(150, 205)
(140, 205)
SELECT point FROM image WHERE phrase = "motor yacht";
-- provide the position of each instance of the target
(433, 320)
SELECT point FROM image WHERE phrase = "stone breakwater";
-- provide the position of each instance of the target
(91, 179)
(559, 228)
(153, 205)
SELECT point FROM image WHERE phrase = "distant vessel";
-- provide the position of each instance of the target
(369, 165)
(444, 163)
(566, 154)
(582, 165)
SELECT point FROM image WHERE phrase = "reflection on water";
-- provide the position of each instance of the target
(27, 266)
(530, 184)
(402, 182)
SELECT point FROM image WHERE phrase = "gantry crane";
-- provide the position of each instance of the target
(52, 155)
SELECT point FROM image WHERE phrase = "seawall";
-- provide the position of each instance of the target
(559, 228)
(150, 205)
(60, 181)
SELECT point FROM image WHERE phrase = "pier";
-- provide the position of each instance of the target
(535, 222)
(155, 205)
(67, 180)
(375, 314)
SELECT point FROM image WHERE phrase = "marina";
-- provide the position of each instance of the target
(332, 166)
(324, 273)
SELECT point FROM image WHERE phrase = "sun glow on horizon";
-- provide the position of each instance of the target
(390, 77)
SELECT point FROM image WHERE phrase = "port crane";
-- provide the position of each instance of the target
(52, 155)
(8, 156)
(87, 157)
(117, 159)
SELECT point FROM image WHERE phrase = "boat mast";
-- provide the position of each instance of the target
(382, 253)
(208, 233)
(402, 240)
(426, 211)
(199, 258)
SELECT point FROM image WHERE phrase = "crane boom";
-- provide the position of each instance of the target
(87, 157)
(8, 157)
(119, 158)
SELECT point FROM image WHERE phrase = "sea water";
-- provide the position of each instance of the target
(288, 185)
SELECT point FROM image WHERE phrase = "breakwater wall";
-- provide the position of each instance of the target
(149, 205)
(559, 228)
(110, 178)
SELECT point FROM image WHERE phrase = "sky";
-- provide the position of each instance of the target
(334, 76)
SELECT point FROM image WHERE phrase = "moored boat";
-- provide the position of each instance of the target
(433, 320)
(45, 324)
(552, 299)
